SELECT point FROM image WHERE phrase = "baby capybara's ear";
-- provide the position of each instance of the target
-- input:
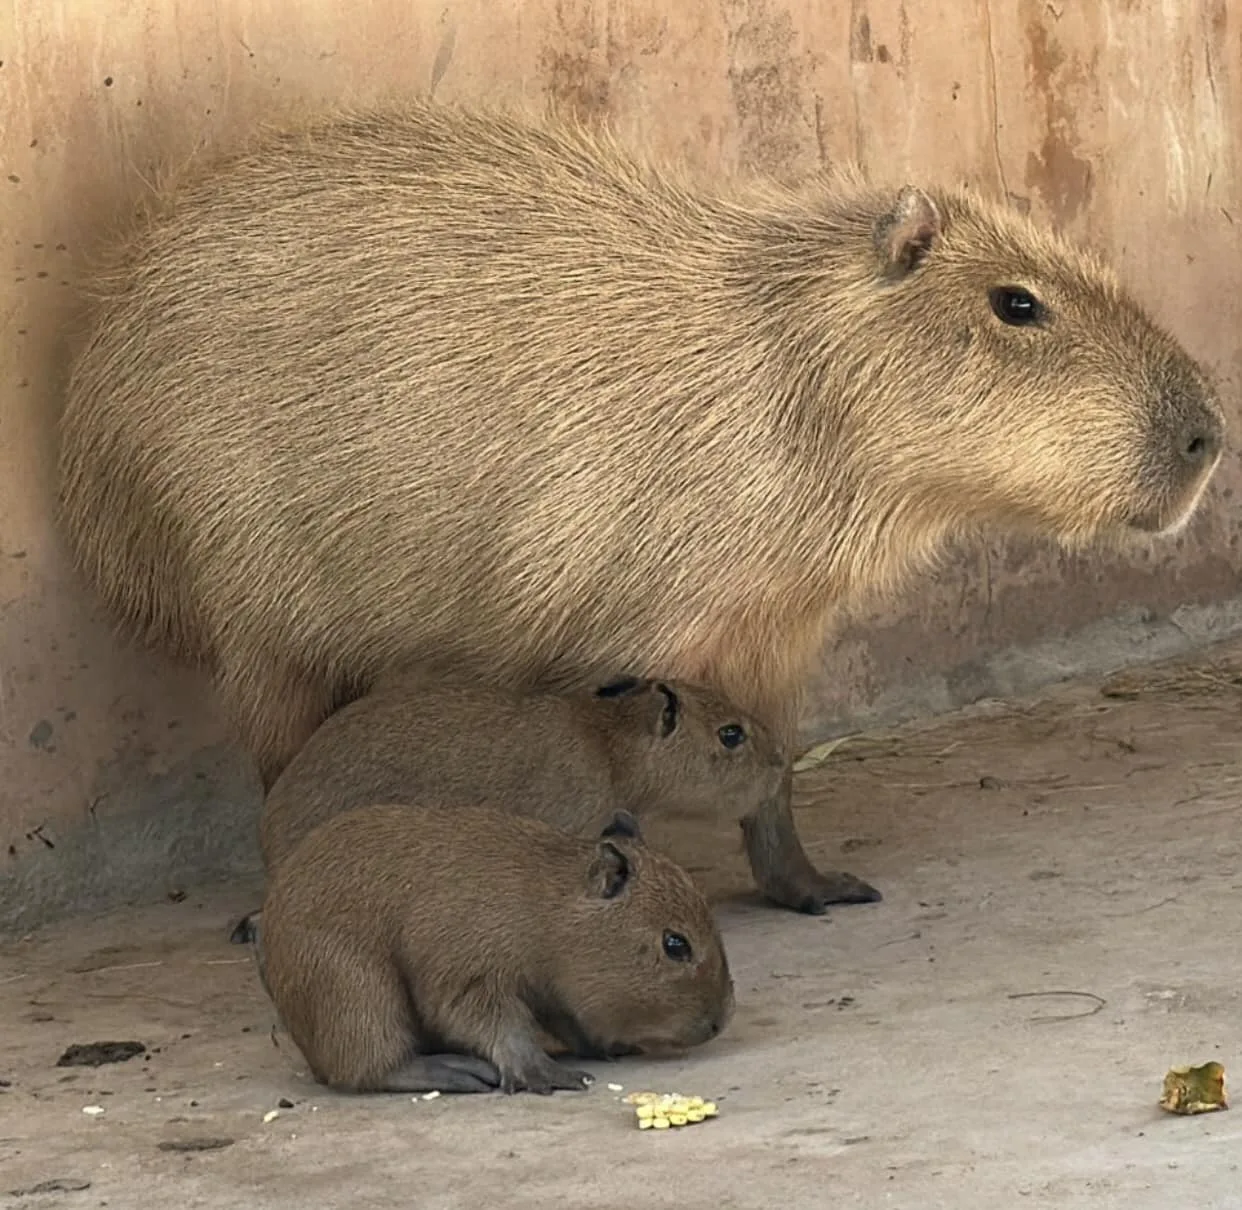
(609, 872)
(620, 687)
(623, 825)
(670, 710)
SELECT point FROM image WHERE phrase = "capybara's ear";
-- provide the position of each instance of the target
(620, 687)
(609, 872)
(670, 710)
(905, 234)
(624, 825)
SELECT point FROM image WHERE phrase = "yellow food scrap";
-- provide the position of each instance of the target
(1194, 1089)
(660, 1111)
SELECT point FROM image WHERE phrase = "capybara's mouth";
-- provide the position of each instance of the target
(1156, 523)
(1187, 470)
(664, 1048)
(676, 1047)
(1169, 519)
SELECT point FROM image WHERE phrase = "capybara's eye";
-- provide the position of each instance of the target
(677, 947)
(732, 735)
(1014, 306)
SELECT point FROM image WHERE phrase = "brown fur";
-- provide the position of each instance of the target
(571, 760)
(448, 387)
(408, 948)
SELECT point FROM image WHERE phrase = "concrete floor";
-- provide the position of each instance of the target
(908, 1054)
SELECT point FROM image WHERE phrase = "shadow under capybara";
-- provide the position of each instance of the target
(423, 384)
(568, 759)
(410, 948)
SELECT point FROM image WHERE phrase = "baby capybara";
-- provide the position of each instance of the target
(410, 948)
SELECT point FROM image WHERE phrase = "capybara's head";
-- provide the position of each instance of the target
(649, 972)
(688, 749)
(1001, 375)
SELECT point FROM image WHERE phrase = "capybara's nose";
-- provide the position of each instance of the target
(1201, 434)
(1201, 446)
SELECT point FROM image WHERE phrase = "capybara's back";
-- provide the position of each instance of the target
(452, 388)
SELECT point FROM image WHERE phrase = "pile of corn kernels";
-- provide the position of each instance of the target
(660, 1111)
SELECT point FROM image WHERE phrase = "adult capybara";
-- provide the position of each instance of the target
(450, 387)
(410, 948)
(569, 759)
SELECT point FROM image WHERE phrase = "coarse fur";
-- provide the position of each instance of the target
(569, 759)
(496, 396)
(410, 947)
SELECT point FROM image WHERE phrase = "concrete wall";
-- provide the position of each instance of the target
(1117, 120)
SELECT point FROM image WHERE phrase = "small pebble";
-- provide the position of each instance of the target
(430, 1096)
(271, 1115)
(616, 1088)
(92, 1110)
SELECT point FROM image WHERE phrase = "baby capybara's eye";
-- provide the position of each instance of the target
(677, 947)
(732, 735)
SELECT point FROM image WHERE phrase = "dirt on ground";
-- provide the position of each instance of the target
(1061, 925)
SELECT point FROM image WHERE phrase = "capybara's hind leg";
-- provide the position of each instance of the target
(783, 871)
(443, 1073)
(350, 1016)
(275, 710)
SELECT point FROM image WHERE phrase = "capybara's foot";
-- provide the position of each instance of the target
(444, 1073)
(246, 929)
(783, 871)
(814, 892)
(544, 1075)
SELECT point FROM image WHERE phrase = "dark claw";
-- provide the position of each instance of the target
(244, 931)
(845, 888)
(825, 890)
(547, 1079)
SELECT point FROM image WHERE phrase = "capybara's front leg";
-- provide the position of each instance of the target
(525, 1066)
(783, 871)
(539, 1073)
